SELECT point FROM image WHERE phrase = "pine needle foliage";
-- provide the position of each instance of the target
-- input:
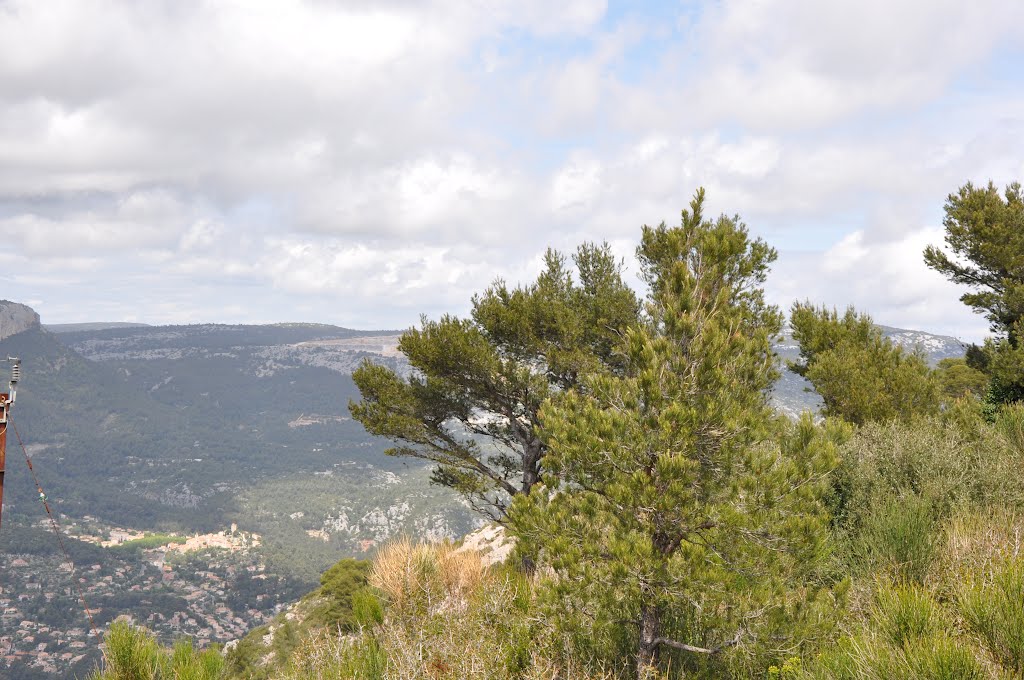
(985, 240)
(985, 234)
(680, 517)
(340, 587)
(861, 375)
(471, 405)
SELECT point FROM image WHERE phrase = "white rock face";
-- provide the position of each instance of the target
(491, 541)
(16, 318)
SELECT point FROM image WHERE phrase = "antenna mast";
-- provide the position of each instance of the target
(6, 402)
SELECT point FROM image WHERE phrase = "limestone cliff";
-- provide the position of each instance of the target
(16, 318)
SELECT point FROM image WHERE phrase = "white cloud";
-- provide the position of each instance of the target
(801, 62)
(202, 235)
(361, 165)
(846, 255)
(576, 185)
(888, 280)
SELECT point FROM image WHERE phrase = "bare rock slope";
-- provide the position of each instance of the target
(16, 318)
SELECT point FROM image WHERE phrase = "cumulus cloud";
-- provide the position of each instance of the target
(891, 282)
(801, 62)
(239, 161)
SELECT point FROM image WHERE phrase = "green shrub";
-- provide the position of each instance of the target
(367, 608)
(132, 653)
(284, 641)
(325, 657)
(900, 538)
(994, 608)
(940, 658)
(338, 587)
(866, 657)
(953, 462)
(187, 663)
(904, 613)
(243, 660)
(1010, 424)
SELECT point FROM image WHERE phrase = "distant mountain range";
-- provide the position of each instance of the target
(98, 326)
(935, 347)
(197, 426)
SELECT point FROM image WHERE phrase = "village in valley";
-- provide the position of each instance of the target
(211, 588)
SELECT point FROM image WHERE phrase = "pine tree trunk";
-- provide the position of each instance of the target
(650, 630)
(531, 464)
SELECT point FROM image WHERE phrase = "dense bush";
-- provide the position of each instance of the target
(132, 653)
(340, 587)
(949, 462)
(933, 506)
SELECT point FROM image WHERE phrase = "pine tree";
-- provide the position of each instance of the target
(666, 503)
(958, 379)
(861, 375)
(477, 385)
(985, 232)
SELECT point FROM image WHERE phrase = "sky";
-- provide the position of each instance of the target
(361, 164)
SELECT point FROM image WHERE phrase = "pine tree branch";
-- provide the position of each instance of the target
(700, 650)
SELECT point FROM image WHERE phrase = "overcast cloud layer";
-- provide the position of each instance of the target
(360, 164)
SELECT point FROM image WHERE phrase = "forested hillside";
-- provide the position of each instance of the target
(192, 430)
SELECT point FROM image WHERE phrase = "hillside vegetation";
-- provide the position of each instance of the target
(923, 577)
(669, 523)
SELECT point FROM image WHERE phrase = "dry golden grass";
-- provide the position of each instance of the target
(1010, 424)
(434, 575)
(447, 617)
(975, 540)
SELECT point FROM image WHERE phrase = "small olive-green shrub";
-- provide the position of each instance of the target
(339, 587)
(132, 653)
(906, 636)
(993, 606)
(905, 613)
(951, 462)
(326, 656)
(1010, 424)
(899, 539)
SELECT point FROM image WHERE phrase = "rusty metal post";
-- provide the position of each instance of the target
(3, 446)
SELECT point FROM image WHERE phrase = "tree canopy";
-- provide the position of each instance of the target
(472, 400)
(958, 379)
(985, 235)
(861, 375)
(664, 502)
(985, 232)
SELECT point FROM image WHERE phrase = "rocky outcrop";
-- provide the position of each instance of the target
(16, 318)
(491, 541)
